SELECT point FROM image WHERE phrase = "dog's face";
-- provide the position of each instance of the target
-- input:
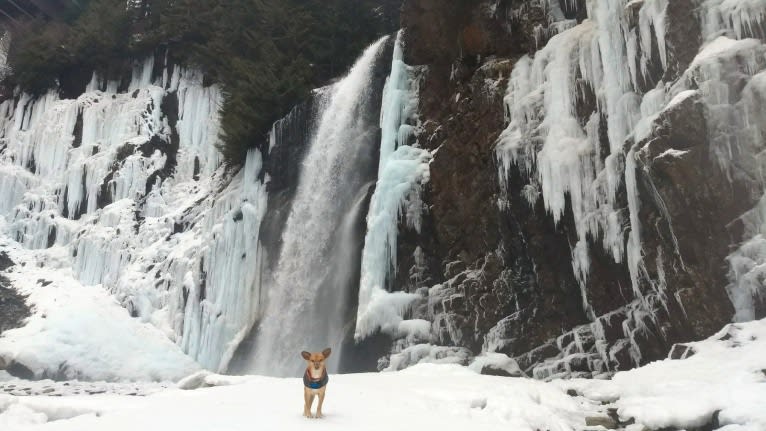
(316, 360)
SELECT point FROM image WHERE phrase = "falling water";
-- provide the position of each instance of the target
(308, 291)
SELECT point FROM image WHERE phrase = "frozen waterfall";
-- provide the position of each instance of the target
(307, 293)
(125, 187)
(403, 171)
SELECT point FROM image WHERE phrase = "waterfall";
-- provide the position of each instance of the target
(308, 290)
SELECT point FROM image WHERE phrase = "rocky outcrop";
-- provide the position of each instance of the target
(13, 308)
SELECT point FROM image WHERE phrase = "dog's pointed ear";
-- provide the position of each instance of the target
(306, 355)
(326, 352)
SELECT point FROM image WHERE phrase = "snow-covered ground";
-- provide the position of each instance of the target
(423, 397)
(723, 376)
(723, 380)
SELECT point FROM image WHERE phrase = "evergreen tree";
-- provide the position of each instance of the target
(266, 54)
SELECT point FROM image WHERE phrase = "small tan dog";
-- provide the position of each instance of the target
(315, 381)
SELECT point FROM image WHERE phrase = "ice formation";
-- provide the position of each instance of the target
(307, 292)
(735, 126)
(136, 200)
(5, 41)
(403, 171)
(607, 61)
(79, 332)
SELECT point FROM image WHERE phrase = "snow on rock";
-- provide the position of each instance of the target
(427, 354)
(496, 364)
(726, 49)
(680, 98)
(206, 379)
(672, 153)
(724, 378)
(81, 332)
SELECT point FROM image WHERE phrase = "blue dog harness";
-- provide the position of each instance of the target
(315, 384)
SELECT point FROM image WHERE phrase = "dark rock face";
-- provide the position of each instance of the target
(501, 268)
(13, 308)
(692, 204)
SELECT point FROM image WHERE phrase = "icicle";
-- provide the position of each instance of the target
(198, 119)
(738, 19)
(562, 154)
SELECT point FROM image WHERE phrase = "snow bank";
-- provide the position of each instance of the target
(494, 363)
(428, 354)
(724, 377)
(81, 332)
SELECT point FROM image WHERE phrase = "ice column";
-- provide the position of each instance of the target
(403, 172)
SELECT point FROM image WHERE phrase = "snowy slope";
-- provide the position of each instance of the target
(78, 331)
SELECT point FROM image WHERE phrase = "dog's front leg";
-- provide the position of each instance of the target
(321, 400)
(308, 399)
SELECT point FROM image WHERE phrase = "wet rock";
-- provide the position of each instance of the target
(20, 370)
(490, 370)
(603, 421)
(13, 307)
(681, 351)
(5, 261)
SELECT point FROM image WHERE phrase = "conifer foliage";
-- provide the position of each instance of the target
(266, 54)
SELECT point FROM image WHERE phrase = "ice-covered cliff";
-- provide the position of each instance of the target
(554, 187)
(596, 191)
(124, 188)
